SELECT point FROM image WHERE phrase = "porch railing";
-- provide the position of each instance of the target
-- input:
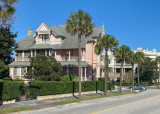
(22, 59)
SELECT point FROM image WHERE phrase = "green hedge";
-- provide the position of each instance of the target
(63, 87)
(10, 89)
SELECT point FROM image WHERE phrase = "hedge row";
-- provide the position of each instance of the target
(10, 89)
(62, 87)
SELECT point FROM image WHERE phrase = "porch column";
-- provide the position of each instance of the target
(22, 55)
(35, 53)
(83, 54)
(85, 74)
(49, 52)
(45, 52)
(55, 53)
(67, 69)
(69, 55)
(31, 53)
(20, 72)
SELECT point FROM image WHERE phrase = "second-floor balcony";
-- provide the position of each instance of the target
(22, 59)
(71, 58)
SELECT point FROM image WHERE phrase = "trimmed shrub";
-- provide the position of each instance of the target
(63, 87)
(10, 90)
(1, 90)
(69, 78)
(53, 87)
(17, 79)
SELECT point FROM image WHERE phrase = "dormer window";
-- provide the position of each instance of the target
(44, 37)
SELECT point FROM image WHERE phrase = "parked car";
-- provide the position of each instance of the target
(138, 87)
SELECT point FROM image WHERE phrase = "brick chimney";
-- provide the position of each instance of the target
(29, 31)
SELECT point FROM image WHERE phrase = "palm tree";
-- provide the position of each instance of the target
(81, 23)
(7, 9)
(140, 59)
(158, 61)
(121, 54)
(132, 59)
(108, 42)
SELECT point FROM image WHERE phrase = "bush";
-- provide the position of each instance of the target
(17, 79)
(63, 87)
(10, 90)
(53, 87)
(69, 78)
(1, 90)
(32, 92)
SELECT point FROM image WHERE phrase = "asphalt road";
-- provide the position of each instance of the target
(147, 102)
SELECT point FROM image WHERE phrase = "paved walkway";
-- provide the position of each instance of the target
(40, 102)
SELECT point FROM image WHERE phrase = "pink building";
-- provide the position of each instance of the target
(55, 41)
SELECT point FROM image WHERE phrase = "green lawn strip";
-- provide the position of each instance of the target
(17, 109)
(93, 97)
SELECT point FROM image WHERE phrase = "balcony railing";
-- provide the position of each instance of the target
(22, 59)
(71, 58)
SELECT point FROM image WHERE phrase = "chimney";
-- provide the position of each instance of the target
(59, 26)
(29, 31)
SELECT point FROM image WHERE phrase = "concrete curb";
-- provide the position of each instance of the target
(64, 95)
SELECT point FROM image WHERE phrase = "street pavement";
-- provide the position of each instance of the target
(147, 102)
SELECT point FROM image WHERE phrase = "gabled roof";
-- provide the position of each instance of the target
(25, 43)
(69, 42)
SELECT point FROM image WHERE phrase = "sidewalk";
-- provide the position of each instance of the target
(31, 103)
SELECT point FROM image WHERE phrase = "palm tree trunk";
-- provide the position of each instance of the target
(133, 77)
(106, 72)
(79, 63)
(138, 73)
(120, 85)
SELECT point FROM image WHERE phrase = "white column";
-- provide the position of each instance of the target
(49, 52)
(22, 55)
(83, 54)
(20, 72)
(45, 52)
(35, 53)
(82, 74)
(31, 53)
(85, 74)
(69, 55)
(26, 69)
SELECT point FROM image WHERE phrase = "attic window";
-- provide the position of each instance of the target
(44, 36)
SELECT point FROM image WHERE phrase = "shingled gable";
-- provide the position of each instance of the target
(69, 42)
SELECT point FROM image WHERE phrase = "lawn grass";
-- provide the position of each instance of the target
(91, 98)
(11, 110)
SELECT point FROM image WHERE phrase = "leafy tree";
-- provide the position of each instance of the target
(121, 54)
(132, 58)
(44, 68)
(108, 42)
(7, 11)
(140, 59)
(7, 43)
(148, 68)
(3, 67)
(81, 23)
(158, 62)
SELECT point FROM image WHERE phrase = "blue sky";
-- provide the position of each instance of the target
(135, 23)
